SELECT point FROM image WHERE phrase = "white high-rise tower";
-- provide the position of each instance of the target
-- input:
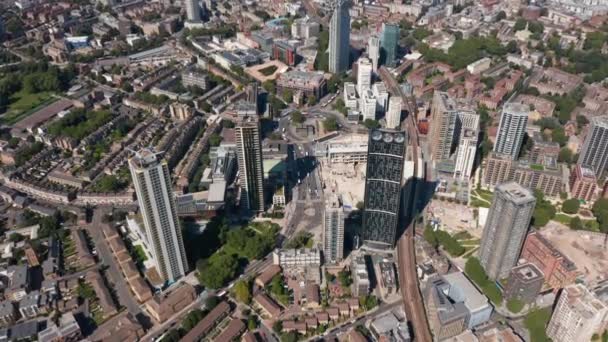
(193, 10)
(511, 130)
(373, 51)
(152, 183)
(393, 115)
(364, 75)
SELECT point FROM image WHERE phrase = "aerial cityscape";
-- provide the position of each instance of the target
(304, 170)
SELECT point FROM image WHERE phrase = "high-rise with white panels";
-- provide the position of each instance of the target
(373, 51)
(333, 230)
(152, 182)
(251, 168)
(465, 153)
(364, 75)
(393, 115)
(512, 129)
(506, 228)
(594, 153)
(577, 316)
(193, 10)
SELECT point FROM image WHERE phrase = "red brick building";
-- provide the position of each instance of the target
(559, 271)
(583, 183)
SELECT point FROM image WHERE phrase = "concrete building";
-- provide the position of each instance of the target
(583, 183)
(290, 258)
(389, 41)
(308, 83)
(333, 230)
(339, 37)
(461, 290)
(193, 11)
(466, 153)
(381, 94)
(448, 119)
(557, 269)
(373, 51)
(383, 184)
(505, 229)
(447, 318)
(360, 275)
(163, 236)
(305, 28)
(393, 116)
(350, 96)
(368, 105)
(251, 169)
(577, 316)
(364, 75)
(525, 283)
(512, 129)
(594, 153)
(349, 148)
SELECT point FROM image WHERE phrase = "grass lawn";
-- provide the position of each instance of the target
(562, 218)
(536, 323)
(475, 202)
(140, 255)
(268, 70)
(484, 194)
(24, 104)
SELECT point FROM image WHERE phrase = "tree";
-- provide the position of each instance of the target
(501, 15)
(297, 117)
(171, 336)
(543, 211)
(520, 24)
(215, 139)
(345, 278)
(311, 100)
(371, 124)
(291, 336)
(287, 95)
(576, 223)
(242, 291)
(211, 302)
(571, 206)
(269, 86)
(330, 124)
(228, 124)
(277, 327)
(252, 323)
(565, 155)
(515, 305)
(218, 270)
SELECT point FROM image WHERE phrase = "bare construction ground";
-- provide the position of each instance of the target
(346, 180)
(587, 250)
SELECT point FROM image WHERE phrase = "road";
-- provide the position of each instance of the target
(412, 299)
(104, 252)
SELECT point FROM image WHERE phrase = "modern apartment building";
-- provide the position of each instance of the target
(389, 41)
(505, 229)
(448, 120)
(512, 129)
(577, 316)
(250, 162)
(383, 184)
(163, 236)
(373, 51)
(339, 37)
(393, 115)
(364, 75)
(594, 153)
(466, 153)
(333, 230)
(193, 10)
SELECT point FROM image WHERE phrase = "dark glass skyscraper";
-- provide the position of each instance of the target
(383, 184)
(339, 37)
(389, 41)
